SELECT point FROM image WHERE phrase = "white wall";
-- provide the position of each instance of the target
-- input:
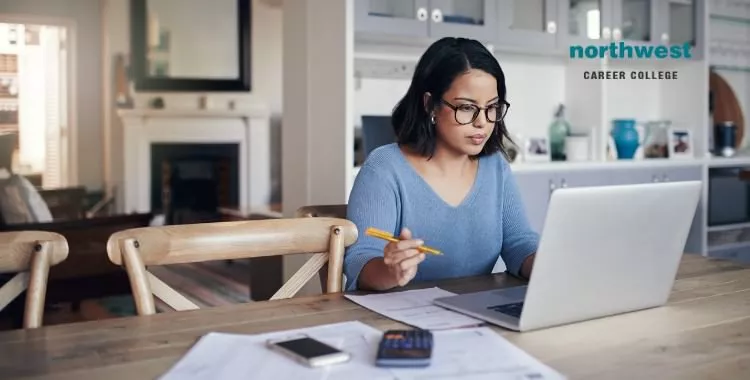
(266, 68)
(86, 14)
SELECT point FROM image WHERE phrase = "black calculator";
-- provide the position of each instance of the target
(405, 348)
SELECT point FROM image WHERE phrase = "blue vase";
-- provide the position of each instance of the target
(626, 138)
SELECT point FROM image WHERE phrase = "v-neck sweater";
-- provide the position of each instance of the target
(490, 223)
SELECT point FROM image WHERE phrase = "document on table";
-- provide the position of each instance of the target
(415, 308)
(219, 356)
(469, 354)
(478, 354)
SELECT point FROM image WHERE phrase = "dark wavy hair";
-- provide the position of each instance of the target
(436, 70)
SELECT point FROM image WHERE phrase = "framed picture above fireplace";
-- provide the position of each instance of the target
(190, 45)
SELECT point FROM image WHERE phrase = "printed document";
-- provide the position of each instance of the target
(470, 354)
(478, 354)
(415, 308)
(219, 356)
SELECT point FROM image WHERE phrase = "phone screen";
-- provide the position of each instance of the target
(308, 347)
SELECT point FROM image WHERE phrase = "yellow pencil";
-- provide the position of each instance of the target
(374, 232)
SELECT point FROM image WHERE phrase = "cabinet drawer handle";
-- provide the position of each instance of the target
(437, 15)
(552, 186)
(551, 27)
(563, 183)
(422, 14)
(655, 178)
(665, 178)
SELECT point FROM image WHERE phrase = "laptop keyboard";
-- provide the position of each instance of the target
(512, 309)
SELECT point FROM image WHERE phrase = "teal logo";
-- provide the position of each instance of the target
(622, 50)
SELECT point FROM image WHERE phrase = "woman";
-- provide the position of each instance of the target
(445, 183)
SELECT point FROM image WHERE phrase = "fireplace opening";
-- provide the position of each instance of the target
(190, 182)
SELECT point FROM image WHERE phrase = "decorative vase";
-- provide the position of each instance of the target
(626, 138)
(559, 130)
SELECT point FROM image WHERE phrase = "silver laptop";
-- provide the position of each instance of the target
(603, 251)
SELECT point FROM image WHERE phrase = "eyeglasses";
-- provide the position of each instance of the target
(467, 113)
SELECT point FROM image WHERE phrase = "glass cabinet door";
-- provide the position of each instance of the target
(678, 24)
(682, 21)
(398, 9)
(463, 12)
(633, 20)
(466, 18)
(585, 20)
(529, 15)
(394, 17)
(528, 23)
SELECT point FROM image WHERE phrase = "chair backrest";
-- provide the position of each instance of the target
(136, 248)
(30, 254)
(322, 211)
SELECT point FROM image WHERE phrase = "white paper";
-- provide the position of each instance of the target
(415, 308)
(478, 354)
(219, 356)
(470, 353)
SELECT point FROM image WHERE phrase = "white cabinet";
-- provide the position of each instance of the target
(422, 19)
(530, 24)
(536, 186)
(535, 189)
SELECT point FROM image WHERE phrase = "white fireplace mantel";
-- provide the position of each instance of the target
(247, 127)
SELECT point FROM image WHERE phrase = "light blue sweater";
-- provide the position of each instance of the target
(389, 194)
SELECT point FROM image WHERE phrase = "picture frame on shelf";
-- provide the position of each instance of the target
(536, 149)
(681, 144)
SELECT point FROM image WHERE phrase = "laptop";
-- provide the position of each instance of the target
(603, 251)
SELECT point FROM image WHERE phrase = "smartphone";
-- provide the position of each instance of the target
(309, 351)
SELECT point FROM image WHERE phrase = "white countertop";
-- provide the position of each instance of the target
(625, 164)
(631, 164)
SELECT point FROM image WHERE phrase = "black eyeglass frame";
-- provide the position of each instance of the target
(477, 110)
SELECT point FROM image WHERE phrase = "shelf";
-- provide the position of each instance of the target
(592, 165)
(728, 227)
(734, 19)
(729, 246)
(744, 69)
(8, 127)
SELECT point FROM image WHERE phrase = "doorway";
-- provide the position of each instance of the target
(34, 100)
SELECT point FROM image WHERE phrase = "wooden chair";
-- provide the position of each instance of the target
(30, 254)
(322, 211)
(326, 211)
(175, 244)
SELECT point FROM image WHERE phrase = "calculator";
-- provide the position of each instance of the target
(405, 348)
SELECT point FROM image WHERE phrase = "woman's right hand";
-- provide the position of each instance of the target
(403, 257)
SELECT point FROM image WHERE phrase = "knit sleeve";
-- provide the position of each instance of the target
(519, 239)
(373, 202)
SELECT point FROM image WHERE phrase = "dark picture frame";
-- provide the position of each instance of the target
(139, 58)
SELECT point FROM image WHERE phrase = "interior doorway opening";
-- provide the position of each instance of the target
(34, 108)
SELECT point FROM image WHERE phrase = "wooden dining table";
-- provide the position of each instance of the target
(702, 333)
